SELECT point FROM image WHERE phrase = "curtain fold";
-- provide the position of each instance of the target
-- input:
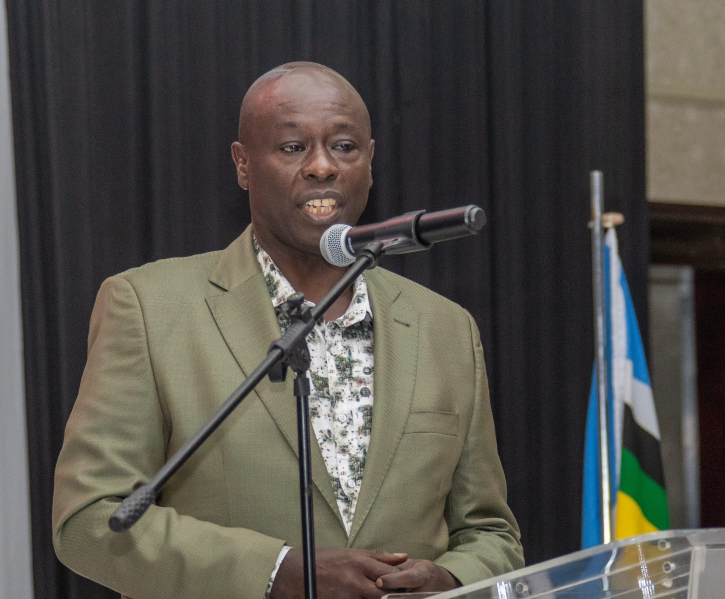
(124, 113)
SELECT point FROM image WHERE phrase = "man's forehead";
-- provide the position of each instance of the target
(335, 124)
(287, 98)
(305, 86)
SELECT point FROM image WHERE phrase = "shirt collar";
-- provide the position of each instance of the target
(280, 289)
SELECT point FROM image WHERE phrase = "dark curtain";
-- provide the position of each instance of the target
(124, 113)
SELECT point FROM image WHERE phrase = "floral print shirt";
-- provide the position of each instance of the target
(341, 376)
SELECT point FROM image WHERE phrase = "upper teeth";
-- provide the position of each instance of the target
(323, 202)
(323, 206)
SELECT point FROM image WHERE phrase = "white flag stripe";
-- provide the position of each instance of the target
(641, 401)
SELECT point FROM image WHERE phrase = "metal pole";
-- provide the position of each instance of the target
(597, 200)
(302, 392)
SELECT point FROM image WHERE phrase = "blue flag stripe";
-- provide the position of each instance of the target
(591, 499)
(635, 349)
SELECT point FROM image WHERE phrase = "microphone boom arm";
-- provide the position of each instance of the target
(398, 235)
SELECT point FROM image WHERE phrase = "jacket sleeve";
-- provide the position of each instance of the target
(115, 439)
(484, 536)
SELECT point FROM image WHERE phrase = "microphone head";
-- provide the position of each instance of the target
(332, 246)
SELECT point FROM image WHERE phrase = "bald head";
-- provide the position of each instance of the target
(261, 92)
(305, 156)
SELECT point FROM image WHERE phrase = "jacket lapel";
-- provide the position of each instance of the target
(395, 329)
(245, 317)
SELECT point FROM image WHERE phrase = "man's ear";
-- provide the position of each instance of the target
(241, 160)
(371, 151)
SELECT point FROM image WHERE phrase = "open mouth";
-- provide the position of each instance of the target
(321, 207)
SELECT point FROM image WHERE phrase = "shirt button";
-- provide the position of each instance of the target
(351, 483)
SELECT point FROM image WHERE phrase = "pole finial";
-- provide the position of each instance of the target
(612, 219)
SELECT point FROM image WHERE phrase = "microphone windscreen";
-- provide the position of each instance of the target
(332, 246)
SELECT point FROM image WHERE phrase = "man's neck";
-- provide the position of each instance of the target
(311, 276)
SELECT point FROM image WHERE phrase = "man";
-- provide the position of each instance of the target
(409, 491)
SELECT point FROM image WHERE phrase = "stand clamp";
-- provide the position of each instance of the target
(293, 314)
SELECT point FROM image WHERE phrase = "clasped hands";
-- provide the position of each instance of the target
(359, 574)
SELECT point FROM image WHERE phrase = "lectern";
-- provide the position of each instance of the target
(674, 564)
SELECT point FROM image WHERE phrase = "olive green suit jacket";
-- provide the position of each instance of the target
(170, 341)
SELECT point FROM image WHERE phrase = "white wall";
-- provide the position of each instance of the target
(15, 560)
(685, 73)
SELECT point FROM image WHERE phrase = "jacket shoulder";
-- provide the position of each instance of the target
(172, 273)
(163, 286)
(426, 300)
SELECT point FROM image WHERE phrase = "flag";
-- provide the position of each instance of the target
(638, 499)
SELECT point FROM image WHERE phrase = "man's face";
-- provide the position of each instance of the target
(306, 160)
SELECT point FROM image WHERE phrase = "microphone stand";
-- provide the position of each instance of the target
(291, 351)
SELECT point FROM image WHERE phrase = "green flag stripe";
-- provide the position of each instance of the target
(649, 495)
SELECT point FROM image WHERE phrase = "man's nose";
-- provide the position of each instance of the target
(320, 165)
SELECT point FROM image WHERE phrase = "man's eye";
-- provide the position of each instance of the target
(290, 148)
(344, 146)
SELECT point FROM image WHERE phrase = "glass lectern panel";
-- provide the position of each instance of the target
(682, 564)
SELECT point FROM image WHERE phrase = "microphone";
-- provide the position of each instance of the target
(410, 232)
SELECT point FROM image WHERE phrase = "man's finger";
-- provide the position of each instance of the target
(404, 579)
(374, 569)
(392, 559)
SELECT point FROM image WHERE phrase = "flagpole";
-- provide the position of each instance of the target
(597, 200)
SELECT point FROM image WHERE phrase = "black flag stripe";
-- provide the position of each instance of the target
(642, 446)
